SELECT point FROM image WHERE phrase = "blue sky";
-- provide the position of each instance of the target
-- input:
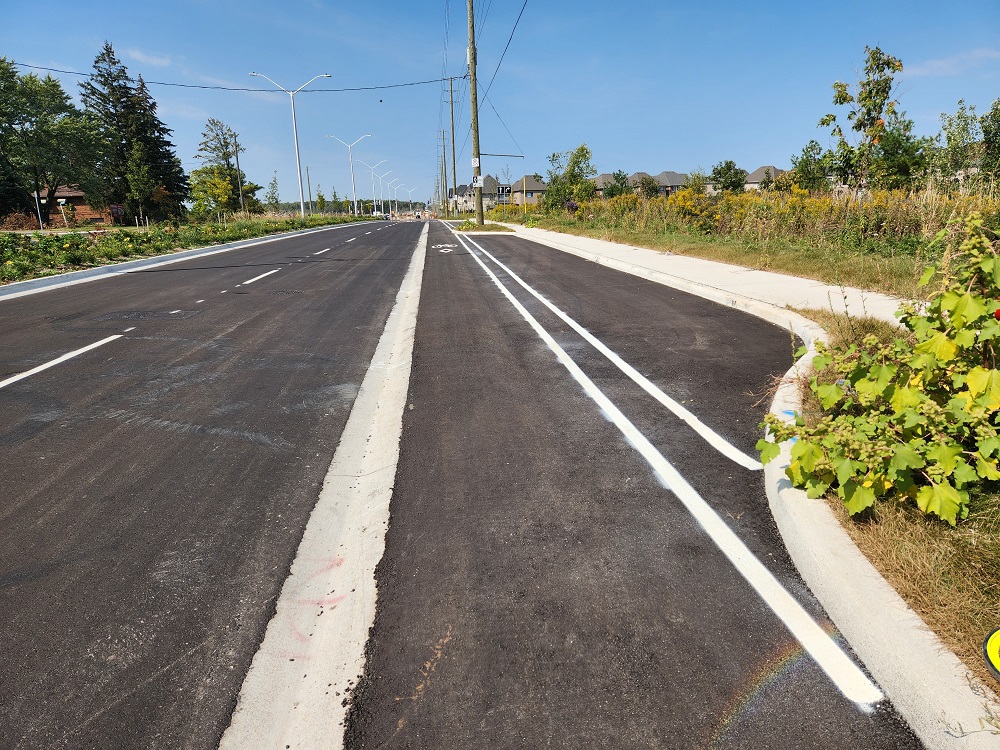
(646, 85)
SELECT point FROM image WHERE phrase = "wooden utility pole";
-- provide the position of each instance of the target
(474, 102)
(444, 174)
(451, 102)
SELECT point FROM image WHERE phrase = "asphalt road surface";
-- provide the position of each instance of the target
(541, 585)
(154, 489)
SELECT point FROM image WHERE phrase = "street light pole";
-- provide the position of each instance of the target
(295, 132)
(391, 187)
(350, 156)
(381, 200)
(370, 167)
(410, 193)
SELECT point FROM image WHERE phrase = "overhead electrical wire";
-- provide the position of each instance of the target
(240, 88)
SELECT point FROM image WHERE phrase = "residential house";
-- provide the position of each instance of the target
(464, 197)
(670, 182)
(527, 190)
(601, 182)
(755, 178)
(71, 203)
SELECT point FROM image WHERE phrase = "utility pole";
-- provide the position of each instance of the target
(309, 186)
(444, 176)
(239, 175)
(451, 103)
(474, 102)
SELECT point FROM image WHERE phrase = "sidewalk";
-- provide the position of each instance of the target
(928, 685)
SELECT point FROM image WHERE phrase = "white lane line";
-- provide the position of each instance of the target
(258, 278)
(198, 301)
(57, 360)
(223, 291)
(322, 251)
(367, 232)
(843, 672)
(350, 240)
(174, 312)
(129, 329)
(710, 436)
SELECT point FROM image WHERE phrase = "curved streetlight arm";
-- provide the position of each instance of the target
(350, 157)
(372, 169)
(295, 131)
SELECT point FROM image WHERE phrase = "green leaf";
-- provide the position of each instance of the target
(987, 469)
(816, 487)
(821, 362)
(942, 500)
(940, 346)
(929, 272)
(965, 338)
(945, 455)
(967, 307)
(981, 381)
(906, 398)
(905, 457)
(964, 474)
(768, 450)
(807, 454)
(857, 497)
(845, 469)
(829, 394)
(988, 446)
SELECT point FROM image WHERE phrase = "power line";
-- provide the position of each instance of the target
(506, 48)
(240, 88)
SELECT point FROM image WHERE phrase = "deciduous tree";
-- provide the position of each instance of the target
(727, 176)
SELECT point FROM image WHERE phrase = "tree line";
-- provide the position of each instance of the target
(873, 146)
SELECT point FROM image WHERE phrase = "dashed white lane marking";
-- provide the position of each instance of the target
(707, 433)
(57, 360)
(129, 329)
(198, 301)
(321, 251)
(843, 672)
(223, 291)
(350, 240)
(174, 312)
(258, 278)
(367, 232)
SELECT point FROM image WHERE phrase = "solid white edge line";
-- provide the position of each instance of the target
(258, 278)
(714, 439)
(841, 670)
(58, 360)
(297, 688)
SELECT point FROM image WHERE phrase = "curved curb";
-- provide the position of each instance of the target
(930, 687)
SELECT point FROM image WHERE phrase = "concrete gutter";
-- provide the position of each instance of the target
(944, 704)
(33, 286)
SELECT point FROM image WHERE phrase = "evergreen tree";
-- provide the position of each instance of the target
(125, 112)
(216, 186)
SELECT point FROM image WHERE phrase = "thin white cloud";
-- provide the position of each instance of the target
(157, 61)
(963, 62)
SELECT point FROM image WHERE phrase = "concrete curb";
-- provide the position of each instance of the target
(33, 286)
(930, 687)
(297, 690)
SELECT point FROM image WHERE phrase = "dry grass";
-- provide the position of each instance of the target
(949, 576)
(895, 275)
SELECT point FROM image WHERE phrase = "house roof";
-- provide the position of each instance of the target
(671, 179)
(603, 180)
(758, 174)
(528, 182)
(634, 179)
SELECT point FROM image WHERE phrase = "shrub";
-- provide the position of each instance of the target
(911, 420)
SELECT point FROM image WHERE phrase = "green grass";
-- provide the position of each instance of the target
(28, 256)
(470, 225)
(896, 275)
(949, 576)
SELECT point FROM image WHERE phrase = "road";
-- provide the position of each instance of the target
(155, 488)
(579, 554)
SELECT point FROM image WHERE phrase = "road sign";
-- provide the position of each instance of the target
(475, 163)
(503, 189)
(477, 181)
(991, 650)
